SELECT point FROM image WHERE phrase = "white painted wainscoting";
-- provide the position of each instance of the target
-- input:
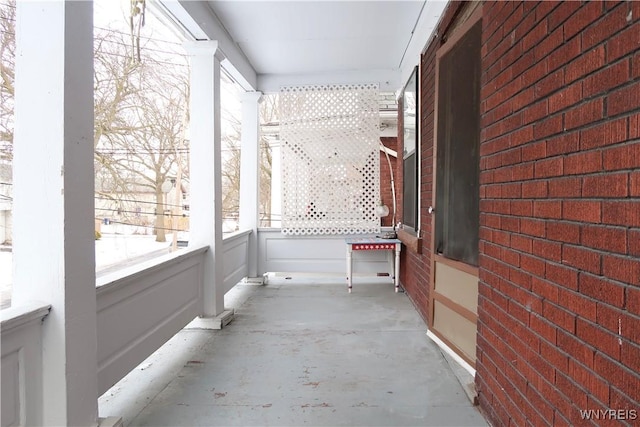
(235, 248)
(278, 252)
(141, 307)
(21, 333)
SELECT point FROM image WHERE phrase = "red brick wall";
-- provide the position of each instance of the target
(559, 304)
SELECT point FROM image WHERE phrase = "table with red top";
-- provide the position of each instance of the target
(374, 244)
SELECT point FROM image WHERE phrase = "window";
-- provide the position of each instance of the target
(458, 142)
(7, 58)
(409, 156)
(141, 158)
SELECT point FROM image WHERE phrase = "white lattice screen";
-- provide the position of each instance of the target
(330, 161)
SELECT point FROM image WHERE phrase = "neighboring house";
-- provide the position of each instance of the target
(6, 202)
(530, 205)
(133, 211)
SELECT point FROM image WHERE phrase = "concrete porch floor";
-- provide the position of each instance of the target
(300, 351)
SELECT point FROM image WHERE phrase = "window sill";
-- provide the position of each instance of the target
(410, 240)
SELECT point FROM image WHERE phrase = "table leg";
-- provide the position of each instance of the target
(396, 278)
(349, 267)
(390, 264)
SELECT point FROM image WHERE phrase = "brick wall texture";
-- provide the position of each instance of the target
(559, 273)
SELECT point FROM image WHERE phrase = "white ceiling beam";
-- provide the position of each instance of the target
(388, 80)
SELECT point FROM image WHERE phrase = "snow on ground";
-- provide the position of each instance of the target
(114, 248)
(5, 279)
(111, 249)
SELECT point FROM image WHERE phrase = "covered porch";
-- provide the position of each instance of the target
(69, 337)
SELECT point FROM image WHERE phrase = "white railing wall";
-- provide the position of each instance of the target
(235, 248)
(278, 252)
(21, 333)
(140, 308)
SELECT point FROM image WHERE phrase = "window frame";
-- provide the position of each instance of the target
(411, 157)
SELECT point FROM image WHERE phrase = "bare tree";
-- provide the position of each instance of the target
(231, 142)
(140, 112)
(140, 102)
(268, 115)
(114, 84)
(231, 153)
(140, 120)
(7, 76)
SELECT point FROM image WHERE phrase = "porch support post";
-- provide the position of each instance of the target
(54, 242)
(250, 174)
(205, 199)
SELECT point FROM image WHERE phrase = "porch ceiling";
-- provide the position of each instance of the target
(320, 36)
(313, 41)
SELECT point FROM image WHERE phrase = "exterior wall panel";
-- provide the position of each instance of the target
(465, 291)
(461, 332)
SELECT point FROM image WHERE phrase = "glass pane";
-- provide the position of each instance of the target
(141, 141)
(409, 105)
(231, 128)
(410, 142)
(409, 182)
(270, 214)
(7, 57)
(457, 192)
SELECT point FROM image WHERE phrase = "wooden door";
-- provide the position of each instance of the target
(454, 287)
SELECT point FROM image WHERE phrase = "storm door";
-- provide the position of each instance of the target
(456, 192)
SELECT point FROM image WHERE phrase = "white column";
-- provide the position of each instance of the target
(250, 174)
(205, 199)
(54, 246)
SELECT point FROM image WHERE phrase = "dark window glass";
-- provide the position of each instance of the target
(458, 160)
(409, 182)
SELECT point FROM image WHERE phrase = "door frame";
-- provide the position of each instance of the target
(449, 43)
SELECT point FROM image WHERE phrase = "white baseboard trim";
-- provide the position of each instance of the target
(110, 422)
(452, 353)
